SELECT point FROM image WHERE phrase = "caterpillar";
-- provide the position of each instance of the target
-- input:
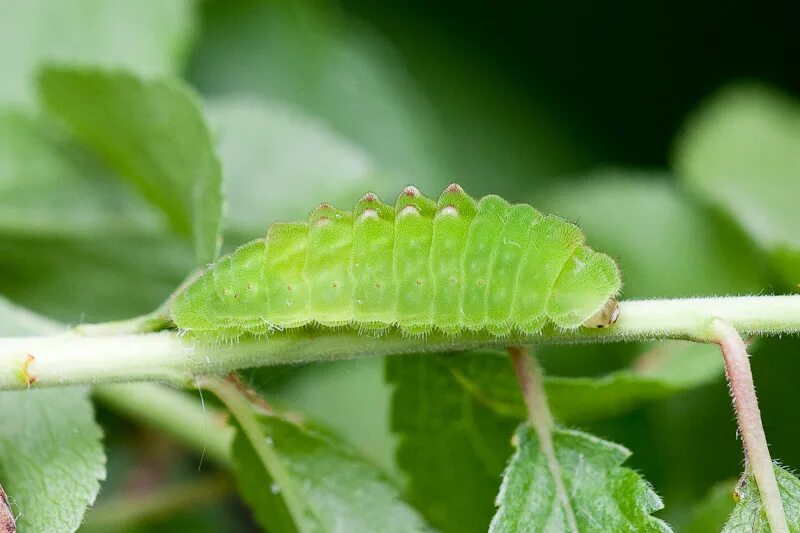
(452, 265)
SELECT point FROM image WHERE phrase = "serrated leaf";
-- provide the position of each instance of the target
(741, 152)
(152, 133)
(278, 162)
(452, 446)
(148, 36)
(604, 495)
(51, 455)
(748, 515)
(337, 490)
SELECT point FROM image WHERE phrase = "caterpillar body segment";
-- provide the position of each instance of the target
(452, 265)
(372, 264)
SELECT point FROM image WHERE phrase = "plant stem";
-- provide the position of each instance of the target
(748, 415)
(71, 358)
(529, 375)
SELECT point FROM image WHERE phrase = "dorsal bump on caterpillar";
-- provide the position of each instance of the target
(454, 265)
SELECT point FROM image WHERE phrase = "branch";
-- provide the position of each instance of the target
(72, 358)
(748, 415)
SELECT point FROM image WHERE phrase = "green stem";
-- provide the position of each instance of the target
(71, 358)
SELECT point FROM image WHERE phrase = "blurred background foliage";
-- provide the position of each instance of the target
(669, 131)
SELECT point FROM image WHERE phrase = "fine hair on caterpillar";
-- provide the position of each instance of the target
(455, 265)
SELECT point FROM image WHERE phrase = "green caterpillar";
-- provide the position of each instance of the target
(452, 265)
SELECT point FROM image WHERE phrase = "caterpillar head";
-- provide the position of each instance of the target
(585, 292)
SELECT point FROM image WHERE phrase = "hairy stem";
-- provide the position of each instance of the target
(748, 416)
(529, 375)
(71, 358)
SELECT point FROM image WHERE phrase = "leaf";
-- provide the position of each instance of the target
(748, 515)
(152, 37)
(321, 62)
(338, 491)
(51, 455)
(604, 495)
(471, 402)
(324, 391)
(78, 279)
(452, 446)
(70, 229)
(741, 153)
(152, 133)
(47, 178)
(277, 162)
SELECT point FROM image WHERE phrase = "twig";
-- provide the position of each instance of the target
(748, 415)
(529, 375)
(71, 359)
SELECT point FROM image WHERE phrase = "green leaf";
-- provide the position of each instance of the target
(604, 495)
(279, 162)
(51, 456)
(78, 279)
(741, 152)
(317, 59)
(70, 229)
(148, 36)
(471, 402)
(748, 515)
(452, 445)
(337, 489)
(152, 133)
(47, 178)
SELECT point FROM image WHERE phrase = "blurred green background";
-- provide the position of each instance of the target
(670, 131)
